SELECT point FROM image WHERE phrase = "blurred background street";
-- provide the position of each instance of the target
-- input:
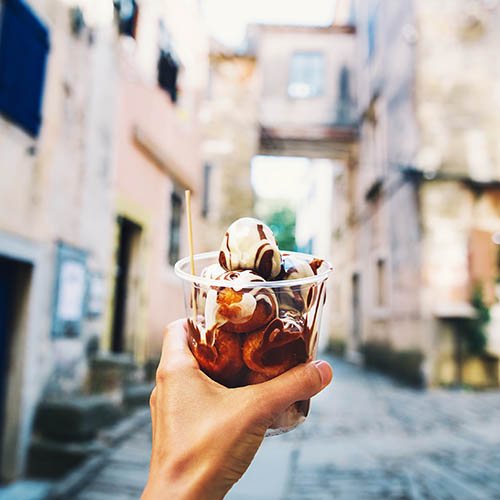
(366, 437)
(362, 131)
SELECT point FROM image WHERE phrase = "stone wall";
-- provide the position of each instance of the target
(421, 204)
(378, 236)
(458, 94)
(57, 187)
(230, 141)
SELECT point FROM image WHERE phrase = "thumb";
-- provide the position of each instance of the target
(299, 383)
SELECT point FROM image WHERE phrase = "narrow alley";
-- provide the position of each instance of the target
(366, 438)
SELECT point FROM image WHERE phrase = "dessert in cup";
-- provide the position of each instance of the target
(255, 311)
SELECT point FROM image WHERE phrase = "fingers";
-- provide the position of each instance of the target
(152, 405)
(175, 353)
(299, 383)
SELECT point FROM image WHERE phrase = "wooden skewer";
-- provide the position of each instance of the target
(191, 252)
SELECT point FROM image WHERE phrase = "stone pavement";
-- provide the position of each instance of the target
(366, 438)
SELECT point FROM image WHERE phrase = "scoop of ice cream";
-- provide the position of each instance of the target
(250, 244)
(238, 308)
(297, 297)
(294, 268)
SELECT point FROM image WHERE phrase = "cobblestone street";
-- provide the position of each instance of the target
(366, 438)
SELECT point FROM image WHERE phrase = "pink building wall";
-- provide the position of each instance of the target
(157, 151)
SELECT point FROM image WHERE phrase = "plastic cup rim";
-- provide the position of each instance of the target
(198, 280)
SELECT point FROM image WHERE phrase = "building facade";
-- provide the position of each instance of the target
(416, 240)
(99, 138)
(161, 79)
(307, 109)
(307, 89)
(230, 140)
(56, 119)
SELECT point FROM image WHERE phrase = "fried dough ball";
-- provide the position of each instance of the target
(275, 348)
(255, 378)
(220, 357)
(238, 309)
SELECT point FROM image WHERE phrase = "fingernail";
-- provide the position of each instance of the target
(325, 371)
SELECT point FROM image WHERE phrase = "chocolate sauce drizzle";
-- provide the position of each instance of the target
(262, 234)
(279, 332)
(222, 255)
(315, 265)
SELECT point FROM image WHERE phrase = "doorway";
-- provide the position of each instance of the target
(15, 278)
(356, 310)
(128, 240)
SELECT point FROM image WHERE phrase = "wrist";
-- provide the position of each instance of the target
(182, 481)
(161, 488)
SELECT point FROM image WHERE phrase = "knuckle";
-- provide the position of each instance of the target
(152, 398)
(171, 369)
(162, 374)
(249, 408)
(312, 377)
(307, 378)
(173, 328)
(178, 363)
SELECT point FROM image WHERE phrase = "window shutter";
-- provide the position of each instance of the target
(24, 45)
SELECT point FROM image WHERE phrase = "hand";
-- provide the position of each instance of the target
(204, 434)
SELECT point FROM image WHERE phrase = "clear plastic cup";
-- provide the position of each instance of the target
(281, 333)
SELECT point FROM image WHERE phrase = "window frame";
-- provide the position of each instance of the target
(381, 283)
(306, 54)
(380, 311)
(174, 227)
(371, 29)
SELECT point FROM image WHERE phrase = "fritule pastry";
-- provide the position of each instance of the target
(251, 332)
(238, 309)
(220, 356)
(276, 348)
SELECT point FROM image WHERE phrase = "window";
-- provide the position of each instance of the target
(307, 75)
(372, 31)
(345, 94)
(128, 12)
(206, 190)
(168, 67)
(167, 74)
(381, 284)
(175, 227)
(344, 99)
(24, 46)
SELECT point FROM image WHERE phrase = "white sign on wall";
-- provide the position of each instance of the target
(71, 291)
